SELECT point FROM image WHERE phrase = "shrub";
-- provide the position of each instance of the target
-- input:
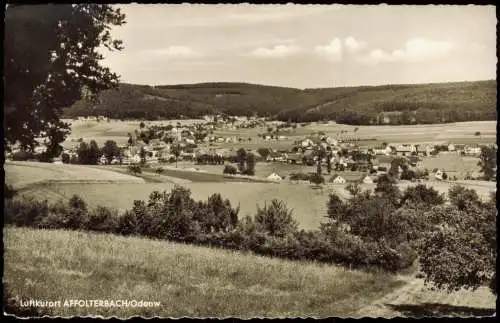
(76, 217)
(299, 177)
(102, 219)
(335, 207)
(8, 191)
(276, 219)
(264, 152)
(44, 157)
(422, 194)
(230, 170)
(317, 179)
(127, 223)
(22, 156)
(26, 212)
(65, 158)
(463, 198)
(135, 169)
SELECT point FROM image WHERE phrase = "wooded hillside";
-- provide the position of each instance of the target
(388, 104)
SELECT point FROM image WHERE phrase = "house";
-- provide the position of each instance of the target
(459, 148)
(362, 164)
(275, 156)
(382, 150)
(331, 141)
(337, 179)
(472, 151)
(367, 180)
(424, 150)
(405, 150)
(439, 174)
(307, 143)
(381, 162)
(451, 147)
(274, 177)
(135, 159)
(103, 160)
(294, 158)
(414, 161)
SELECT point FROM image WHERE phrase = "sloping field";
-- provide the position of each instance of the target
(22, 174)
(308, 204)
(186, 280)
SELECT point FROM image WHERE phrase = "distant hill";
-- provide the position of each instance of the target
(387, 104)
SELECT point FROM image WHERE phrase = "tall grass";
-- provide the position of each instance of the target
(187, 280)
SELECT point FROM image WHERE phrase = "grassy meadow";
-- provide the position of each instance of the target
(187, 280)
(112, 186)
(23, 174)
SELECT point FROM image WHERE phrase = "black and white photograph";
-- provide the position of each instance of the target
(249, 160)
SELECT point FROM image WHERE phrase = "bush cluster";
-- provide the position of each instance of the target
(176, 216)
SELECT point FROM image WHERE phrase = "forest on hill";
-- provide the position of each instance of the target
(363, 105)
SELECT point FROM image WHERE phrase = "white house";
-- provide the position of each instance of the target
(367, 180)
(382, 151)
(135, 159)
(274, 177)
(331, 141)
(338, 180)
(405, 150)
(307, 142)
(102, 160)
(439, 174)
(472, 151)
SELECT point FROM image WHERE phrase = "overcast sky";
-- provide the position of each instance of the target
(305, 46)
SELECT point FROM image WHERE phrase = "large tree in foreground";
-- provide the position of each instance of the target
(461, 251)
(51, 54)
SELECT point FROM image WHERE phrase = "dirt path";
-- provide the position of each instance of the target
(415, 299)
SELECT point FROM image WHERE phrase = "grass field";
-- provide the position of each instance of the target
(23, 174)
(308, 204)
(113, 187)
(453, 164)
(186, 280)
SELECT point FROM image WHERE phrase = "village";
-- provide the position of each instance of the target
(341, 157)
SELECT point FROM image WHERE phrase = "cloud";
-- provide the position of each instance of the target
(415, 50)
(277, 51)
(175, 52)
(332, 51)
(221, 15)
(353, 45)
